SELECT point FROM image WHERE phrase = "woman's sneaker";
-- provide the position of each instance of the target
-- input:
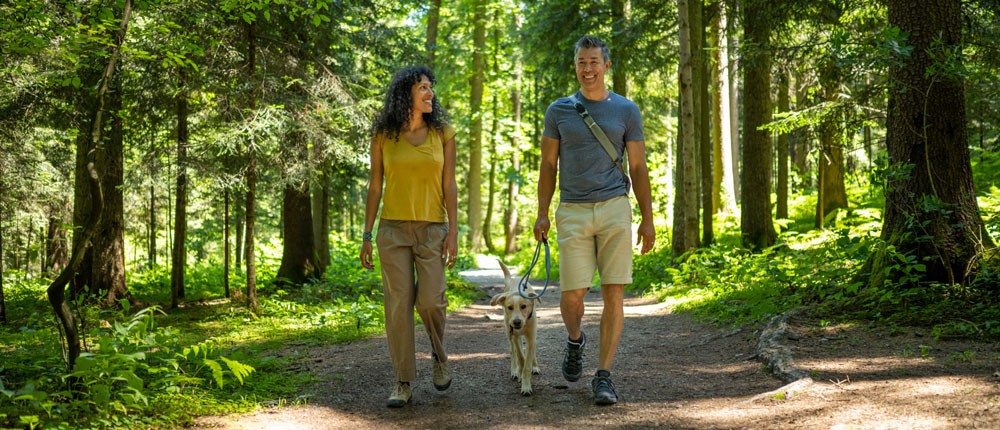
(604, 389)
(572, 365)
(400, 395)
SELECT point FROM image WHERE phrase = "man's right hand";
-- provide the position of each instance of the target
(542, 226)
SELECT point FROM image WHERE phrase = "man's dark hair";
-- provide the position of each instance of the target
(587, 42)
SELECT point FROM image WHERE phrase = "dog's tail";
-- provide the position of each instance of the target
(506, 272)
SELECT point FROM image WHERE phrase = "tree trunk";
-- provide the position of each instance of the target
(152, 226)
(687, 194)
(800, 138)
(240, 231)
(95, 199)
(926, 130)
(433, 18)
(678, 233)
(321, 222)
(168, 231)
(724, 186)
(513, 182)
(734, 105)
(56, 291)
(757, 227)
(832, 192)
(109, 240)
(81, 278)
(42, 262)
(490, 199)
(476, 140)
(57, 240)
(226, 259)
(178, 259)
(869, 154)
(29, 234)
(700, 80)
(619, 59)
(782, 191)
(3, 302)
(14, 252)
(298, 255)
(494, 130)
(251, 175)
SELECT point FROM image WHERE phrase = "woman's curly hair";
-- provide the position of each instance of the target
(399, 104)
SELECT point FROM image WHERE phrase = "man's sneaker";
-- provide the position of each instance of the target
(442, 374)
(400, 396)
(572, 365)
(604, 389)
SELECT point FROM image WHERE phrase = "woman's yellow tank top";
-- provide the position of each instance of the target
(413, 178)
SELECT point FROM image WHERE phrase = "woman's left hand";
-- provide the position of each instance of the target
(450, 252)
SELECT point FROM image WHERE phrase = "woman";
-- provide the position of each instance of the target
(413, 155)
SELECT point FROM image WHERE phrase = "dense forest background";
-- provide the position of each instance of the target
(839, 153)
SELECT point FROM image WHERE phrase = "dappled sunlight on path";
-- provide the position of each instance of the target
(670, 371)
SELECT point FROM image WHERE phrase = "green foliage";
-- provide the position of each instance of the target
(819, 269)
(211, 356)
(132, 362)
(728, 285)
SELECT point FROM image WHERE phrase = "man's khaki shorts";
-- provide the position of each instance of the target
(594, 236)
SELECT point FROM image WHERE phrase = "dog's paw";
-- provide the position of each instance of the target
(525, 389)
(535, 371)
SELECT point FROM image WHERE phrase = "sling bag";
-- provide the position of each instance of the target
(603, 138)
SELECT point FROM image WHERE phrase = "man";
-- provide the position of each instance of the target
(594, 217)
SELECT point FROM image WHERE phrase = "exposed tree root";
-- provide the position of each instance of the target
(778, 358)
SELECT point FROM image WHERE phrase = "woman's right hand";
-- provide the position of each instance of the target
(367, 260)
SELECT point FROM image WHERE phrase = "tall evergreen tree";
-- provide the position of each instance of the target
(686, 236)
(723, 185)
(931, 212)
(477, 79)
(756, 223)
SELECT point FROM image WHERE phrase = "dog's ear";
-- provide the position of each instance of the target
(531, 295)
(498, 299)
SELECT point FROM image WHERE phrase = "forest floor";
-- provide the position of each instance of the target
(670, 372)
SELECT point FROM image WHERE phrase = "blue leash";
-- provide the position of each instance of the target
(522, 285)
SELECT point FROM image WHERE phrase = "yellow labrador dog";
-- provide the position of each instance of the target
(520, 321)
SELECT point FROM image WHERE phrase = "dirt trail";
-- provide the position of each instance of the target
(670, 372)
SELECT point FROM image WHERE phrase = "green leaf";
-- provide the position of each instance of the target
(216, 371)
(101, 394)
(134, 382)
(240, 370)
(84, 363)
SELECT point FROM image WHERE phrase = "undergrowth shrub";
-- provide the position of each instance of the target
(727, 284)
(111, 384)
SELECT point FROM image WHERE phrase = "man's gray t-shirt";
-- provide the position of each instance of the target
(586, 172)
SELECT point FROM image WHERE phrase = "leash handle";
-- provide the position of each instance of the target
(522, 285)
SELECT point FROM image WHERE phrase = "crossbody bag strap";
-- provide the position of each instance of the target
(601, 137)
